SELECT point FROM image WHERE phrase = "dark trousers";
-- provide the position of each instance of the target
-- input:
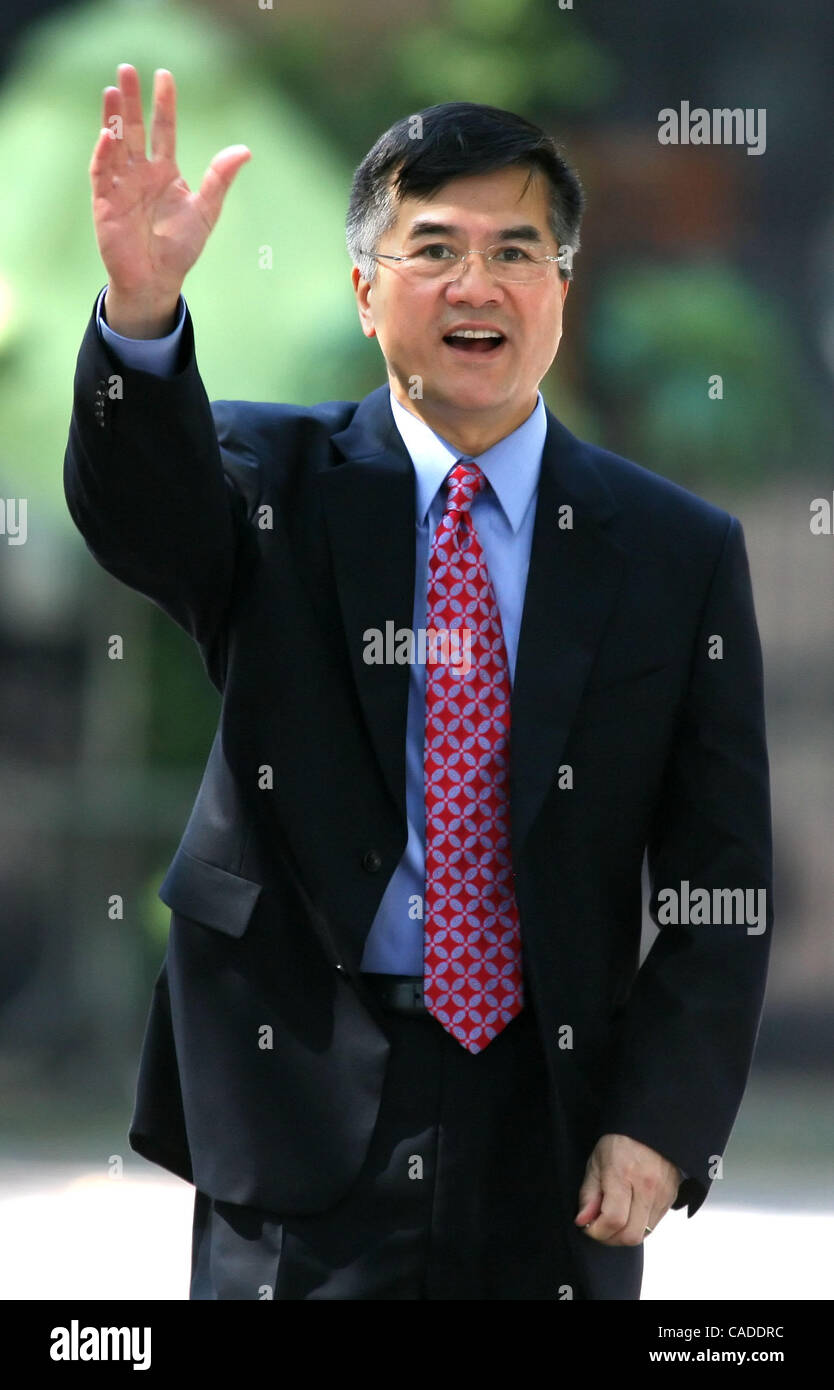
(457, 1198)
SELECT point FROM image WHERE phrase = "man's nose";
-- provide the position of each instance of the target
(474, 282)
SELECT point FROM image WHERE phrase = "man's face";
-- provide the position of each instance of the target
(469, 394)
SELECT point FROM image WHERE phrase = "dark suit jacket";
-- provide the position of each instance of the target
(275, 535)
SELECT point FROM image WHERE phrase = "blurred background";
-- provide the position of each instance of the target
(697, 262)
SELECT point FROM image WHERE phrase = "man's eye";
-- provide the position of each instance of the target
(511, 253)
(436, 251)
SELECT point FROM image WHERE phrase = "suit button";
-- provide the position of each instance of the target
(372, 862)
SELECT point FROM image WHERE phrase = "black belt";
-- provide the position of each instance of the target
(401, 994)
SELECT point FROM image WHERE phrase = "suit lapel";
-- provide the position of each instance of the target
(572, 581)
(573, 578)
(370, 512)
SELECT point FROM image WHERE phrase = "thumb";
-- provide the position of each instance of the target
(590, 1201)
(218, 179)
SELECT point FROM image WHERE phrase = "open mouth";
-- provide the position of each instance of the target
(475, 343)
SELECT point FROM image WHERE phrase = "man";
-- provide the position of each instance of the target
(400, 1042)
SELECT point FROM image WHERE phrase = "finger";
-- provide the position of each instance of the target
(588, 1211)
(111, 105)
(105, 163)
(615, 1211)
(657, 1211)
(217, 180)
(659, 1194)
(647, 1197)
(590, 1201)
(164, 121)
(587, 1215)
(134, 125)
(634, 1230)
(112, 119)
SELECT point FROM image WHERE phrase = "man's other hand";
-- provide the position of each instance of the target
(627, 1187)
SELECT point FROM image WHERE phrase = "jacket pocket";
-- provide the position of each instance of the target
(212, 896)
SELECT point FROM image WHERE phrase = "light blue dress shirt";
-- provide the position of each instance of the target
(503, 513)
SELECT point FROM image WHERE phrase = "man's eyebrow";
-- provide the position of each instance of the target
(525, 232)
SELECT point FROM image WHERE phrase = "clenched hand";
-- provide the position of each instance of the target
(627, 1187)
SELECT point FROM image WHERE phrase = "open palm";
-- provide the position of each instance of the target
(149, 225)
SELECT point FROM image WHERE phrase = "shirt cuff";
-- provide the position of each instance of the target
(157, 355)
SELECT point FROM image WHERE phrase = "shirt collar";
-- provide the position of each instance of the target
(511, 466)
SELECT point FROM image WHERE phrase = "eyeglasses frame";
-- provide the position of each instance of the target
(563, 259)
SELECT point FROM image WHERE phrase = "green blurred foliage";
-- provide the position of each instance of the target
(260, 333)
(185, 706)
(526, 55)
(519, 55)
(658, 333)
(154, 922)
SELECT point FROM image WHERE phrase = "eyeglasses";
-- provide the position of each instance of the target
(507, 263)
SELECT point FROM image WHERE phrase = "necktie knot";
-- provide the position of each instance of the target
(465, 482)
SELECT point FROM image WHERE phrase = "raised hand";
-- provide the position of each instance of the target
(149, 226)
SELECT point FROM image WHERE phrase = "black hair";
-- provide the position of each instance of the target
(451, 140)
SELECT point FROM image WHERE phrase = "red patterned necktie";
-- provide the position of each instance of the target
(472, 960)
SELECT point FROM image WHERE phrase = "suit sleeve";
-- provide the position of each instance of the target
(157, 355)
(145, 484)
(684, 1046)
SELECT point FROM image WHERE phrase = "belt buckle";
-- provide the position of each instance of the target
(405, 996)
(402, 996)
(416, 1001)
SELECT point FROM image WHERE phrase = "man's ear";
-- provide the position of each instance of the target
(362, 289)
